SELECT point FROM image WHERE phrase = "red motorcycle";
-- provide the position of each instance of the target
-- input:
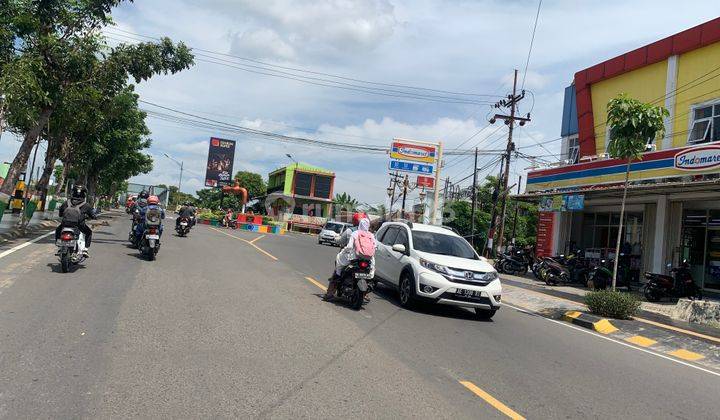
(680, 284)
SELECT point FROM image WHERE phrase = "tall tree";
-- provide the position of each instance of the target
(633, 125)
(345, 202)
(252, 182)
(58, 48)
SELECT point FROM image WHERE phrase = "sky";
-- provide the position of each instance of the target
(450, 45)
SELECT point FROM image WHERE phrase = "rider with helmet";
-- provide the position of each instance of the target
(153, 203)
(188, 211)
(361, 222)
(74, 212)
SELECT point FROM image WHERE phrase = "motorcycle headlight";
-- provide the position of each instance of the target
(434, 267)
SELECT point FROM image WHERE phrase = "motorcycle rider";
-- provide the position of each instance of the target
(347, 252)
(153, 202)
(188, 211)
(74, 212)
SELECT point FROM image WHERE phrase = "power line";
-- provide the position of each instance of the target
(294, 69)
(532, 41)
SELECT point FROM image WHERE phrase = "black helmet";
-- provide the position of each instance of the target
(144, 194)
(187, 204)
(79, 191)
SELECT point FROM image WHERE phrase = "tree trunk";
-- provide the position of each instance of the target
(91, 184)
(53, 150)
(619, 235)
(22, 156)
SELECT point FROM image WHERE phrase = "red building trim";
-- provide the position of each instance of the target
(680, 43)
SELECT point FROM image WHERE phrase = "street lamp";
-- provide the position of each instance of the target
(180, 164)
(291, 158)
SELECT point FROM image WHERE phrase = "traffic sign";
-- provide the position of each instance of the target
(425, 181)
(398, 165)
(405, 150)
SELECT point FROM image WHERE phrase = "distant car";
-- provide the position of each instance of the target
(330, 233)
(434, 264)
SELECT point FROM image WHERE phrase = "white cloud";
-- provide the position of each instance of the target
(262, 43)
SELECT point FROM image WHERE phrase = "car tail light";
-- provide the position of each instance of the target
(67, 236)
(364, 264)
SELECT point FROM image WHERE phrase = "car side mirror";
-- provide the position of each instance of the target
(399, 248)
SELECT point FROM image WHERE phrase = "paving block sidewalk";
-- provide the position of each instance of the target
(704, 352)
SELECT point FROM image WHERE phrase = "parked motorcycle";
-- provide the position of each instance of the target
(71, 244)
(600, 276)
(355, 283)
(516, 263)
(679, 284)
(183, 226)
(150, 241)
(561, 269)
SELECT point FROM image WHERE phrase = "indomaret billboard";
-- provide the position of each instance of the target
(220, 162)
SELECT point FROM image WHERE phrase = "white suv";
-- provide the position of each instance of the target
(435, 264)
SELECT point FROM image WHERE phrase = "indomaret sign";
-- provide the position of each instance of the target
(220, 162)
(699, 158)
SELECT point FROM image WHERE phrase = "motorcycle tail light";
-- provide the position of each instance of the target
(364, 264)
(152, 231)
(67, 236)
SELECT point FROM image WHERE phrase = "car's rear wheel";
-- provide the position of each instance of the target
(407, 291)
(484, 314)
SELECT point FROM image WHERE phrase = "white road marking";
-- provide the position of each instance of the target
(24, 244)
(586, 331)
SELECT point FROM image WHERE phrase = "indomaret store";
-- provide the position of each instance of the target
(673, 205)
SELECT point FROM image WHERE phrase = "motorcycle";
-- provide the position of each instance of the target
(132, 236)
(680, 284)
(557, 270)
(517, 263)
(71, 244)
(150, 241)
(600, 276)
(183, 226)
(355, 283)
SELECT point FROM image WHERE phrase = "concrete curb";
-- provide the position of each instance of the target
(591, 322)
(16, 232)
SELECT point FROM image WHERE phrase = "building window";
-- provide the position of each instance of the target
(322, 186)
(573, 150)
(705, 125)
(302, 183)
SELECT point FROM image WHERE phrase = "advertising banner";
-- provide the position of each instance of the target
(220, 162)
(425, 181)
(566, 202)
(546, 222)
(404, 150)
(399, 165)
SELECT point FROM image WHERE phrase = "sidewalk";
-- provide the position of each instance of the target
(40, 221)
(659, 337)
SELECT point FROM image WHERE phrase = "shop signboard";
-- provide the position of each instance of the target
(566, 202)
(574, 202)
(220, 162)
(546, 222)
(420, 168)
(425, 181)
(406, 150)
(699, 158)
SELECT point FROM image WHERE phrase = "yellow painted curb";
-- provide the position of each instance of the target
(570, 315)
(604, 327)
(641, 341)
(686, 355)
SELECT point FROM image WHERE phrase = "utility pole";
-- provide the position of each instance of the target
(406, 182)
(436, 194)
(511, 102)
(474, 201)
(516, 211)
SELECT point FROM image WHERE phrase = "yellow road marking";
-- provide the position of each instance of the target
(647, 321)
(247, 242)
(670, 327)
(257, 239)
(641, 341)
(686, 355)
(604, 327)
(491, 400)
(316, 283)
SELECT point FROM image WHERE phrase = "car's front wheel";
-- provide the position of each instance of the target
(484, 314)
(407, 291)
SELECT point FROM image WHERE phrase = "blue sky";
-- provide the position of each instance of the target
(454, 45)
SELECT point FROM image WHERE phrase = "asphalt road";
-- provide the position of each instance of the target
(216, 328)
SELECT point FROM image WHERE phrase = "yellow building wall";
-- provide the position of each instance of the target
(646, 84)
(691, 66)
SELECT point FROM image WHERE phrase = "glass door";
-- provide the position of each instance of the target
(712, 273)
(694, 235)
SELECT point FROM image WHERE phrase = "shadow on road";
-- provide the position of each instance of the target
(56, 268)
(391, 295)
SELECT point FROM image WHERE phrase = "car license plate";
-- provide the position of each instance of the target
(362, 276)
(153, 237)
(468, 293)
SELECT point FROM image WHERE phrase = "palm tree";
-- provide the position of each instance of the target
(344, 201)
(633, 125)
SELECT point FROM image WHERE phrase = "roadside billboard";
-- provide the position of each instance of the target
(425, 181)
(220, 162)
(413, 156)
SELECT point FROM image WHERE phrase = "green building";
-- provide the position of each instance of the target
(301, 189)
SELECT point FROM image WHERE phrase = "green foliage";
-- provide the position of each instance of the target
(252, 182)
(209, 215)
(633, 124)
(345, 201)
(209, 198)
(613, 304)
